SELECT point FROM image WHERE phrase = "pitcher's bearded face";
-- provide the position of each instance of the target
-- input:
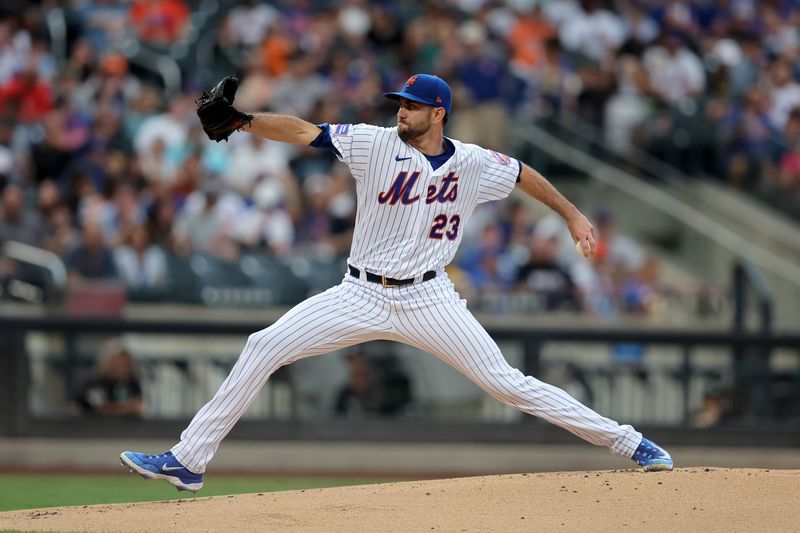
(413, 119)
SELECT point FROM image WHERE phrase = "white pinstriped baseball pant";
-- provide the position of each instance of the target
(429, 316)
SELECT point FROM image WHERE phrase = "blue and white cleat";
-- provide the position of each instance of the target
(163, 466)
(652, 457)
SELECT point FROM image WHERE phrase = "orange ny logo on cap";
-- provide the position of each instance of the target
(411, 81)
(438, 100)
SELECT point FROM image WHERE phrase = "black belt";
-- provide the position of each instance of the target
(389, 282)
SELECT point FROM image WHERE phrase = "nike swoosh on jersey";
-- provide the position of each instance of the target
(398, 158)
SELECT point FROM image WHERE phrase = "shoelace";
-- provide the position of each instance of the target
(157, 456)
(650, 452)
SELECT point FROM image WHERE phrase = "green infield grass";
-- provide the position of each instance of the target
(27, 491)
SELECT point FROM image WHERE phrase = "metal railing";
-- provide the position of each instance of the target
(17, 420)
(47, 260)
(784, 275)
(746, 275)
(160, 64)
(592, 137)
(20, 285)
(663, 202)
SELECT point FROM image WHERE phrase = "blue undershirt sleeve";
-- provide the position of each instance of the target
(323, 140)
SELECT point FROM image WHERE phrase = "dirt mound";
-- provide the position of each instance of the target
(688, 499)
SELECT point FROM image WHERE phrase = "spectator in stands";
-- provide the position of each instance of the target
(483, 262)
(16, 222)
(317, 226)
(629, 106)
(714, 409)
(104, 23)
(65, 133)
(266, 223)
(161, 221)
(341, 209)
(247, 24)
(746, 64)
(784, 93)
(789, 169)
(376, 386)
(543, 274)
(527, 37)
(60, 235)
(207, 221)
(555, 85)
(276, 51)
(108, 134)
(15, 46)
(298, 91)
(26, 94)
(253, 160)
(594, 30)
(257, 87)
(676, 73)
(98, 139)
(485, 82)
(184, 179)
(142, 265)
(114, 389)
(155, 166)
(91, 260)
(515, 224)
(359, 397)
(144, 104)
(159, 23)
(623, 253)
(81, 63)
(747, 138)
(171, 127)
(109, 86)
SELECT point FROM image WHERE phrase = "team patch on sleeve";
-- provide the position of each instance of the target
(342, 129)
(503, 159)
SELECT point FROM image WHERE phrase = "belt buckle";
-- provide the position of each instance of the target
(385, 283)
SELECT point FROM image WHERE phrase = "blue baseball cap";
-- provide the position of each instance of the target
(425, 89)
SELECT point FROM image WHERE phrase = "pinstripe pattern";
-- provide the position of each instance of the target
(335, 319)
(393, 240)
(470, 350)
(397, 236)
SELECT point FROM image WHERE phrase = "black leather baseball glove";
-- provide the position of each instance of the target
(217, 114)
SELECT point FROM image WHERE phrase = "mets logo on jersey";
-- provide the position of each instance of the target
(401, 190)
(502, 158)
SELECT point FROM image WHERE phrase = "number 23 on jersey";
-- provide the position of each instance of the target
(400, 191)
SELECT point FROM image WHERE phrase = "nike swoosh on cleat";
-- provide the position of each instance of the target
(398, 158)
(166, 468)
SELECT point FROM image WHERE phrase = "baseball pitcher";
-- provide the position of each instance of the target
(416, 190)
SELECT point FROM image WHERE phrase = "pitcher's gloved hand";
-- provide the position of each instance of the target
(217, 114)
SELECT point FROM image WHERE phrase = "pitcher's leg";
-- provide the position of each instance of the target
(449, 331)
(335, 319)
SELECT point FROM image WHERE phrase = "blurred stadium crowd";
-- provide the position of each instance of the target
(107, 167)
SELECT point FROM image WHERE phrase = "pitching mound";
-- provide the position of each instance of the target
(688, 499)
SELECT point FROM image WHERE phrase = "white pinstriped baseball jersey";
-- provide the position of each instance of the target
(410, 217)
(409, 221)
